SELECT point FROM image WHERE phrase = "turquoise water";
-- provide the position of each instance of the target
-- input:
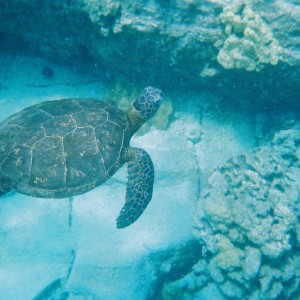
(223, 220)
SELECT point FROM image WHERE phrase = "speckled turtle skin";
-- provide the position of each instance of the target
(64, 148)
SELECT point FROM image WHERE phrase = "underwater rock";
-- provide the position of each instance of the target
(232, 290)
(250, 237)
(215, 272)
(227, 257)
(251, 263)
(186, 36)
(258, 194)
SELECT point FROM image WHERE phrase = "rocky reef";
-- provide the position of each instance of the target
(248, 222)
(171, 43)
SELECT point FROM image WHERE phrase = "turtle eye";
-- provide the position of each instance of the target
(157, 95)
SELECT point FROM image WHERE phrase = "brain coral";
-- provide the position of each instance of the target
(249, 43)
(248, 219)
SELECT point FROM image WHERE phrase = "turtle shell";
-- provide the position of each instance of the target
(62, 148)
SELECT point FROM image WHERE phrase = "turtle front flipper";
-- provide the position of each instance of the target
(139, 186)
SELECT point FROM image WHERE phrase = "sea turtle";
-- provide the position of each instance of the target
(67, 147)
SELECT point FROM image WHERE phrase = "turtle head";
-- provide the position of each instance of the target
(144, 107)
(148, 102)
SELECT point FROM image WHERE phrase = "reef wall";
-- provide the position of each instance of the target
(187, 43)
(248, 222)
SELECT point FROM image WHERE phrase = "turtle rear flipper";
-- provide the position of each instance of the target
(139, 186)
(4, 186)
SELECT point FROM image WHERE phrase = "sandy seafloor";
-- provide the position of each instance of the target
(223, 222)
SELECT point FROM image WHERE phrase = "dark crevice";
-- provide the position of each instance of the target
(70, 220)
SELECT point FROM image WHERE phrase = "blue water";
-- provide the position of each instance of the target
(223, 221)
